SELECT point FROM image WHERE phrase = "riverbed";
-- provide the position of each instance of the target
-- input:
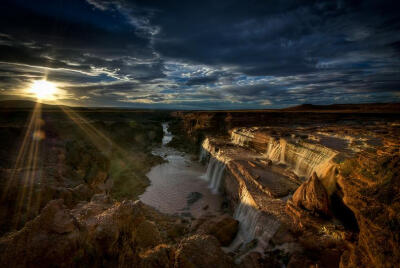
(178, 185)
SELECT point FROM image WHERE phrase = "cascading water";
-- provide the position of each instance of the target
(214, 173)
(203, 155)
(253, 223)
(167, 135)
(274, 150)
(303, 157)
(282, 143)
(241, 137)
(248, 218)
(306, 158)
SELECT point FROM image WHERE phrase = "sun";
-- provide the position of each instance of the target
(44, 90)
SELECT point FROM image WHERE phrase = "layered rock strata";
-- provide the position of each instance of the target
(288, 192)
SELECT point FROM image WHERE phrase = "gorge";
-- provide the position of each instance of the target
(284, 188)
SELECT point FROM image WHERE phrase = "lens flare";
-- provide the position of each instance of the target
(44, 90)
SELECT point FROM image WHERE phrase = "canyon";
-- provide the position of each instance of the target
(307, 186)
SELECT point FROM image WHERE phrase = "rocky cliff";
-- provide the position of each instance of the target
(310, 194)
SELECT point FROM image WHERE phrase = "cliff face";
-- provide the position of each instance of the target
(370, 186)
(261, 174)
(317, 194)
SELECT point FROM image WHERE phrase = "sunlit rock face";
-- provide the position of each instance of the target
(286, 181)
(370, 185)
(312, 196)
(264, 152)
(243, 136)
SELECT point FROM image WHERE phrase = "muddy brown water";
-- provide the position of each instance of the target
(178, 186)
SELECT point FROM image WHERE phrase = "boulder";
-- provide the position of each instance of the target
(256, 260)
(223, 227)
(51, 238)
(147, 235)
(312, 196)
(201, 251)
(193, 197)
(160, 256)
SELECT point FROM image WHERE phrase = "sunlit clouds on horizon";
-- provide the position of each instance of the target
(201, 55)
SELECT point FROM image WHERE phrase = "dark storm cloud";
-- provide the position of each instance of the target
(204, 54)
(201, 80)
(33, 35)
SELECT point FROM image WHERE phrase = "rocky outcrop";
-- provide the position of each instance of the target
(53, 238)
(223, 227)
(160, 256)
(201, 251)
(342, 216)
(256, 260)
(103, 232)
(325, 216)
(312, 196)
(370, 186)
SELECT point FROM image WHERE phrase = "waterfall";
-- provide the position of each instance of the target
(303, 157)
(242, 137)
(282, 143)
(214, 173)
(306, 158)
(253, 223)
(248, 221)
(274, 150)
(204, 154)
(167, 135)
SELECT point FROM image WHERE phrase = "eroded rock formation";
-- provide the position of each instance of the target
(312, 196)
(294, 190)
(103, 232)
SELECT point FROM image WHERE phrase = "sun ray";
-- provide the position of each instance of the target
(34, 162)
(26, 164)
(23, 148)
(99, 139)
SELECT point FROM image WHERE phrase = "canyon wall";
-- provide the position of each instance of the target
(75, 208)
(305, 189)
(298, 187)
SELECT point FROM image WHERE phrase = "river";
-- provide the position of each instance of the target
(178, 185)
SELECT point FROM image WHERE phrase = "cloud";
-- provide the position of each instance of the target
(208, 54)
(201, 80)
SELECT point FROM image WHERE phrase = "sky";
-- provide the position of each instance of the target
(202, 54)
